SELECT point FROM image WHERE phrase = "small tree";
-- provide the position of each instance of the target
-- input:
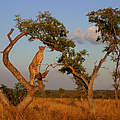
(15, 95)
(76, 60)
(61, 92)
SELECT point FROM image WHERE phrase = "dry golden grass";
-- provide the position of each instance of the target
(68, 109)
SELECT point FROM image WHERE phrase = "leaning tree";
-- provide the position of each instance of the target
(46, 29)
(107, 22)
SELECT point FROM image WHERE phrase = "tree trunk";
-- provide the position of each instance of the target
(116, 77)
(9, 109)
(8, 64)
(4, 100)
(116, 91)
(90, 98)
(18, 110)
(25, 103)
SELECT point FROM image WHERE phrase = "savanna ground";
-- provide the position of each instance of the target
(67, 109)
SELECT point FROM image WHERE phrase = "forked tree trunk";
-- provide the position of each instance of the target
(30, 90)
(93, 76)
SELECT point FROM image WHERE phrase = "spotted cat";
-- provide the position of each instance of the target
(34, 67)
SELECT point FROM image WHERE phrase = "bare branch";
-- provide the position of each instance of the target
(45, 74)
(53, 65)
(1, 51)
(56, 46)
(11, 31)
(97, 68)
(8, 64)
(79, 75)
(66, 60)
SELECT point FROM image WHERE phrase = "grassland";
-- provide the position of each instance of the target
(64, 105)
(67, 109)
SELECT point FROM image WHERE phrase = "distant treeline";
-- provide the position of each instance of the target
(103, 94)
(17, 94)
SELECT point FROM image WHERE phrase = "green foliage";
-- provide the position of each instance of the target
(16, 95)
(59, 94)
(116, 74)
(53, 34)
(108, 23)
(103, 94)
(19, 86)
(76, 60)
(46, 28)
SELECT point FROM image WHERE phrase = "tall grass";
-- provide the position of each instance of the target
(67, 109)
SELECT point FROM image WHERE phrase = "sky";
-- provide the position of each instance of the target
(72, 13)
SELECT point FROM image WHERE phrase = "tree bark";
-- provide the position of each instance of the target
(30, 90)
(25, 103)
(3, 99)
(116, 77)
(8, 64)
(93, 76)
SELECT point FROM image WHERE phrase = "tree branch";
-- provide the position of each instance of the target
(8, 64)
(73, 71)
(50, 43)
(96, 68)
(45, 74)
(1, 51)
(79, 75)
(11, 31)
(66, 61)
(53, 65)
(65, 56)
(4, 100)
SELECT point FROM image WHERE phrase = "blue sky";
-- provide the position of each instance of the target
(72, 13)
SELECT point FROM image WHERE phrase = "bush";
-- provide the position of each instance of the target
(15, 95)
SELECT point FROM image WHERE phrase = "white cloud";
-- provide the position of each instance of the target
(77, 35)
(90, 35)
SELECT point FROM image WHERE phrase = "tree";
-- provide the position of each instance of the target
(107, 22)
(61, 92)
(46, 29)
(116, 73)
(75, 60)
(15, 95)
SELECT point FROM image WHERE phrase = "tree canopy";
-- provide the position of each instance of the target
(46, 28)
(53, 34)
(76, 60)
(108, 23)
